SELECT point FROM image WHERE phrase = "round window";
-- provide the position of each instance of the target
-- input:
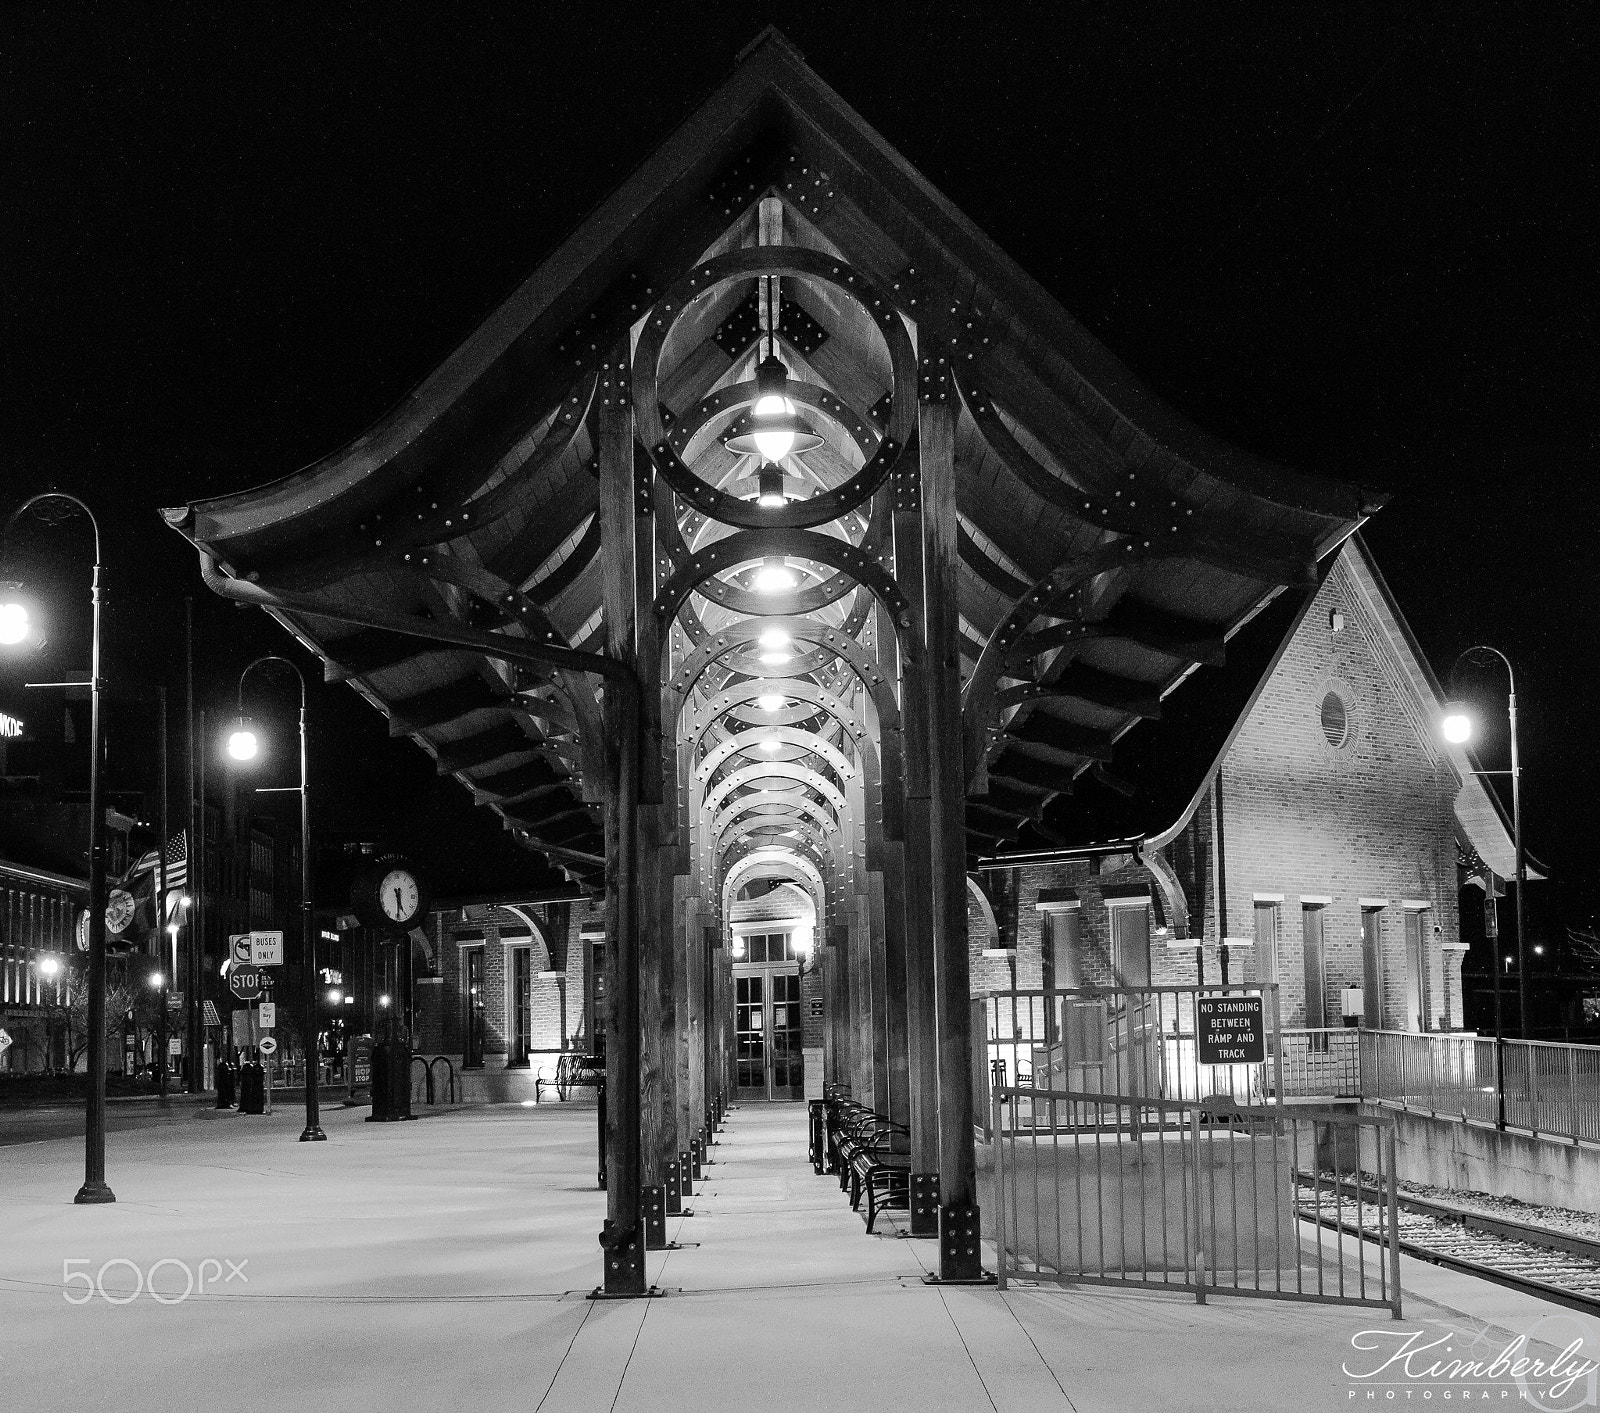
(1335, 720)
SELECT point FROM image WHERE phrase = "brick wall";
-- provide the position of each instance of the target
(1369, 817)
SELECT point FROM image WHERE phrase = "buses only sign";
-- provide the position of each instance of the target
(1230, 1030)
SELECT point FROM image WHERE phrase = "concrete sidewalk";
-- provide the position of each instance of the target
(445, 1264)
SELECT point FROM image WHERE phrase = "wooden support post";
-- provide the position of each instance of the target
(960, 1254)
(622, 1239)
(922, 1037)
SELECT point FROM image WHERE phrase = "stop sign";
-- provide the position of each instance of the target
(247, 983)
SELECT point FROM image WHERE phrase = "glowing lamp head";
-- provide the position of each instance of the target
(156, 981)
(49, 968)
(775, 639)
(776, 659)
(771, 495)
(771, 744)
(384, 1000)
(1455, 725)
(771, 701)
(775, 577)
(13, 623)
(738, 948)
(243, 743)
(335, 995)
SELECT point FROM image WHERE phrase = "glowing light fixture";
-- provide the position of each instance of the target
(383, 1000)
(775, 638)
(13, 623)
(156, 980)
(771, 493)
(776, 659)
(336, 996)
(771, 701)
(48, 967)
(243, 744)
(738, 949)
(1455, 725)
(771, 743)
(775, 429)
(775, 577)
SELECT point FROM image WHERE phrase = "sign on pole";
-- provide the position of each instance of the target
(269, 1015)
(1229, 1030)
(208, 1010)
(5, 1042)
(175, 1046)
(266, 949)
(268, 1045)
(174, 1000)
(239, 948)
(246, 983)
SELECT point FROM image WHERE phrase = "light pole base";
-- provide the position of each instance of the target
(313, 1134)
(93, 1194)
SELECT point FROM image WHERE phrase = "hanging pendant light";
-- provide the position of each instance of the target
(775, 431)
(771, 493)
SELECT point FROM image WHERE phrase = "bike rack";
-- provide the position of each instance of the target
(452, 1087)
(427, 1074)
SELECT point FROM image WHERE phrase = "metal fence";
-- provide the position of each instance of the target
(1211, 1197)
(1134, 1041)
(1319, 1064)
(1551, 1089)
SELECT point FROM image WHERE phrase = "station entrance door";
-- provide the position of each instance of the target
(766, 1004)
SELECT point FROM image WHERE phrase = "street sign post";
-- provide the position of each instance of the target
(239, 948)
(266, 949)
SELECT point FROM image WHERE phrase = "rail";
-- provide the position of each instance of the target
(1098, 1189)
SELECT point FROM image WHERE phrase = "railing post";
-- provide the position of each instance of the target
(1393, 1223)
(999, 1189)
(1572, 1093)
(1530, 1060)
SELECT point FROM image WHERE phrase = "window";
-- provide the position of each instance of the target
(1372, 967)
(1266, 948)
(1335, 720)
(768, 947)
(1130, 945)
(1311, 954)
(1416, 968)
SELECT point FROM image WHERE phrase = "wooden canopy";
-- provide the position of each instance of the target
(1002, 555)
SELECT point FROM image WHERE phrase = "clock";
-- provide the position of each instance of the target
(390, 894)
(399, 896)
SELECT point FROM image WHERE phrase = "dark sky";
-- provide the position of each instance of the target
(1346, 238)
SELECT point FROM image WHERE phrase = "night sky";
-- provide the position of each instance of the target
(1346, 239)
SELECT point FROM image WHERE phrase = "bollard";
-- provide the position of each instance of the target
(224, 1079)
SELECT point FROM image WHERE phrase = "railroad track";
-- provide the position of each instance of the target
(1555, 1266)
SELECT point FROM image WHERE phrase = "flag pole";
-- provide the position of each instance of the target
(169, 975)
(192, 1012)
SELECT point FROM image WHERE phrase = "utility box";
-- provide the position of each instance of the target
(1353, 1005)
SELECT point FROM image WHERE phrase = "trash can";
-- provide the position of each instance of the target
(252, 1088)
(224, 1077)
(391, 1081)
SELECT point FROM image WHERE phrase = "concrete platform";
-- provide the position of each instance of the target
(444, 1264)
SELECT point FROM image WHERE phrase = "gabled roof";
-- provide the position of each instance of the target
(474, 498)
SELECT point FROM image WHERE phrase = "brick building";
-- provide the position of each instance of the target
(1298, 819)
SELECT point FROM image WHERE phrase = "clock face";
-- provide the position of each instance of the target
(398, 895)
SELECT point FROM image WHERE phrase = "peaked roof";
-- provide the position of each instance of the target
(477, 490)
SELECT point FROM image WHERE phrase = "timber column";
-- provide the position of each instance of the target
(920, 858)
(622, 1238)
(960, 1253)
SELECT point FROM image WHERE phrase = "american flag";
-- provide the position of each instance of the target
(177, 861)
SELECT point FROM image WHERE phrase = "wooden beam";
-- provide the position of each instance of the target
(470, 752)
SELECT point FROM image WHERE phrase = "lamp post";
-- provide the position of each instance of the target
(15, 629)
(243, 746)
(1457, 729)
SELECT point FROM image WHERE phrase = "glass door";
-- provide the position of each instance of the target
(521, 1005)
(769, 1051)
(473, 1058)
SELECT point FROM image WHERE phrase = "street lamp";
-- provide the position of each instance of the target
(1457, 728)
(243, 745)
(14, 630)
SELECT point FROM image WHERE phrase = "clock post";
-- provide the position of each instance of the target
(391, 896)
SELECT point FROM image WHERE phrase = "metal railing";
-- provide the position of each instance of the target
(1551, 1089)
(1210, 1197)
(1131, 1041)
(1320, 1064)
